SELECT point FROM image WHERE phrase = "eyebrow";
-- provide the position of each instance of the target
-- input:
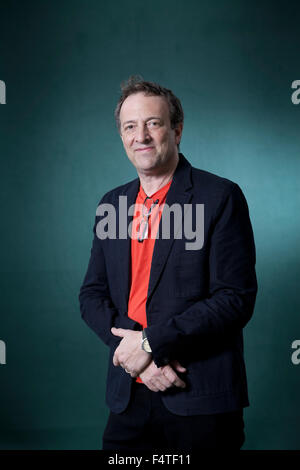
(148, 119)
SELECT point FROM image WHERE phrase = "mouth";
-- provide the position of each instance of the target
(144, 149)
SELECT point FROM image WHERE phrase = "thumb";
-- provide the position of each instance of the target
(118, 331)
(177, 366)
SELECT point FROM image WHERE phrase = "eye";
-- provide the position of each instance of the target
(129, 127)
(153, 123)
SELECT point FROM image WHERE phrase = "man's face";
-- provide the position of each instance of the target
(148, 139)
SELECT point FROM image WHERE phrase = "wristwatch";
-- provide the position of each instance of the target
(145, 343)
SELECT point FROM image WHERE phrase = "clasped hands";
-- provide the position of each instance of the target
(138, 362)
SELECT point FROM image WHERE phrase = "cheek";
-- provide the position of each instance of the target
(127, 143)
(163, 139)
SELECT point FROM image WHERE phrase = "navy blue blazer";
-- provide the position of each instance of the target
(198, 300)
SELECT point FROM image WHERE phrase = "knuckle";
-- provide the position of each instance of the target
(168, 372)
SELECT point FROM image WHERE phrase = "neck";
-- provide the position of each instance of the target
(153, 182)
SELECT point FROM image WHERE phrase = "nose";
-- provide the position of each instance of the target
(142, 134)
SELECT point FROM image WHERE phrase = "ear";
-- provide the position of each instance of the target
(178, 132)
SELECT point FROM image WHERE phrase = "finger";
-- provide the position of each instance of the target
(178, 366)
(163, 387)
(160, 381)
(133, 375)
(118, 331)
(161, 384)
(173, 377)
(116, 360)
(156, 386)
(164, 381)
(151, 387)
(179, 383)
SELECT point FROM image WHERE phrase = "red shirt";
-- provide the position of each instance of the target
(141, 252)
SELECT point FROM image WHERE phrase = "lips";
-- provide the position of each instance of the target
(144, 149)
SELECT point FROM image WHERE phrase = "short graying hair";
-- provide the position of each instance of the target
(136, 84)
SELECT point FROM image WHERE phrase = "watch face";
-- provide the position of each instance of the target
(146, 346)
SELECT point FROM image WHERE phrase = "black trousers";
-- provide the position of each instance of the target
(147, 425)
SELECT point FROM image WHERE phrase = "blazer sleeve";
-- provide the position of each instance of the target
(232, 287)
(96, 306)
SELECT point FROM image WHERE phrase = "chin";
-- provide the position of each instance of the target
(147, 164)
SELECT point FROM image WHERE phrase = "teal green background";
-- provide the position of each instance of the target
(232, 64)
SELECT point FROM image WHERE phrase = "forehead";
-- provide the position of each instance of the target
(140, 105)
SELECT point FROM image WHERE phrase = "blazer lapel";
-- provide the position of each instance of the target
(123, 245)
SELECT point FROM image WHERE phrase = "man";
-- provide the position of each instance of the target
(171, 310)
